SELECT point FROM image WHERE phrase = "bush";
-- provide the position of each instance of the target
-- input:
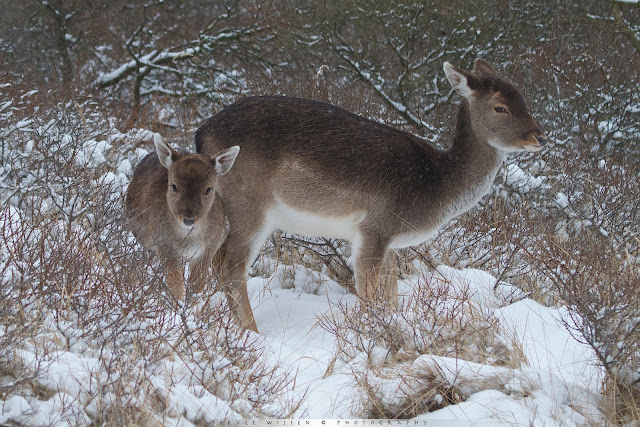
(592, 262)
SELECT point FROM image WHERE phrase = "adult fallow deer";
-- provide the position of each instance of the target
(318, 170)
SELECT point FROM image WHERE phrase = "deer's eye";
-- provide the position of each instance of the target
(500, 109)
(207, 191)
(175, 189)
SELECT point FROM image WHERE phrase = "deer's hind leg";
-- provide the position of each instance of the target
(375, 279)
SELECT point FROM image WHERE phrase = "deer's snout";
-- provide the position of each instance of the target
(188, 216)
(542, 140)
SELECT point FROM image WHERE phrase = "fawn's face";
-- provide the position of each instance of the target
(191, 188)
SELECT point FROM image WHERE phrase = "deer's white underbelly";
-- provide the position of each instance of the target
(413, 238)
(285, 217)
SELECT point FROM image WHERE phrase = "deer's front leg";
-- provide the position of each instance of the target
(389, 277)
(233, 277)
(199, 272)
(370, 271)
(175, 277)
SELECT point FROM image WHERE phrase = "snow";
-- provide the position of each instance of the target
(560, 373)
(480, 286)
(13, 408)
(520, 180)
(106, 78)
(92, 153)
(561, 200)
(151, 59)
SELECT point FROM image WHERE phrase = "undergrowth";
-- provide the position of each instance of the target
(90, 334)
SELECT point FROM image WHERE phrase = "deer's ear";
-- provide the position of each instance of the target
(225, 159)
(484, 69)
(461, 81)
(166, 154)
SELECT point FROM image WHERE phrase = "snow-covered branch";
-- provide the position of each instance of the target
(367, 77)
(153, 59)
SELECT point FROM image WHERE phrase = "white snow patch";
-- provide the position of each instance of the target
(520, 180)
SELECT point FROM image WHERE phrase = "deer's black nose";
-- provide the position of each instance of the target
(542, 139)
(188, 221)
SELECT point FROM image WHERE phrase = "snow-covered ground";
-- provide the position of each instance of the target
(555, 386)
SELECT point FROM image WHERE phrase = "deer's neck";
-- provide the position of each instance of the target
(471, 166)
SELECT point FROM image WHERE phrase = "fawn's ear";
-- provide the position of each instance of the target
(461, 81)
(225, 159)
(483, 68)
(166, 154)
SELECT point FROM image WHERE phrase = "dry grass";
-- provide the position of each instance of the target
(621, 403)
(382, 342)
(415, 394)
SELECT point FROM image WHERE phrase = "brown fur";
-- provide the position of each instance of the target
(172, 208)
(313, 168)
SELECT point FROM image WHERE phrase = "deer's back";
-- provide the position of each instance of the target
(292, 145)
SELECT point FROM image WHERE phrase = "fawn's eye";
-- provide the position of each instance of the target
(207, 191)
(499, 109)
(173, 186)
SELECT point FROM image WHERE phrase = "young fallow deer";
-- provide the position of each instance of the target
(172, 209)
(318, 170)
